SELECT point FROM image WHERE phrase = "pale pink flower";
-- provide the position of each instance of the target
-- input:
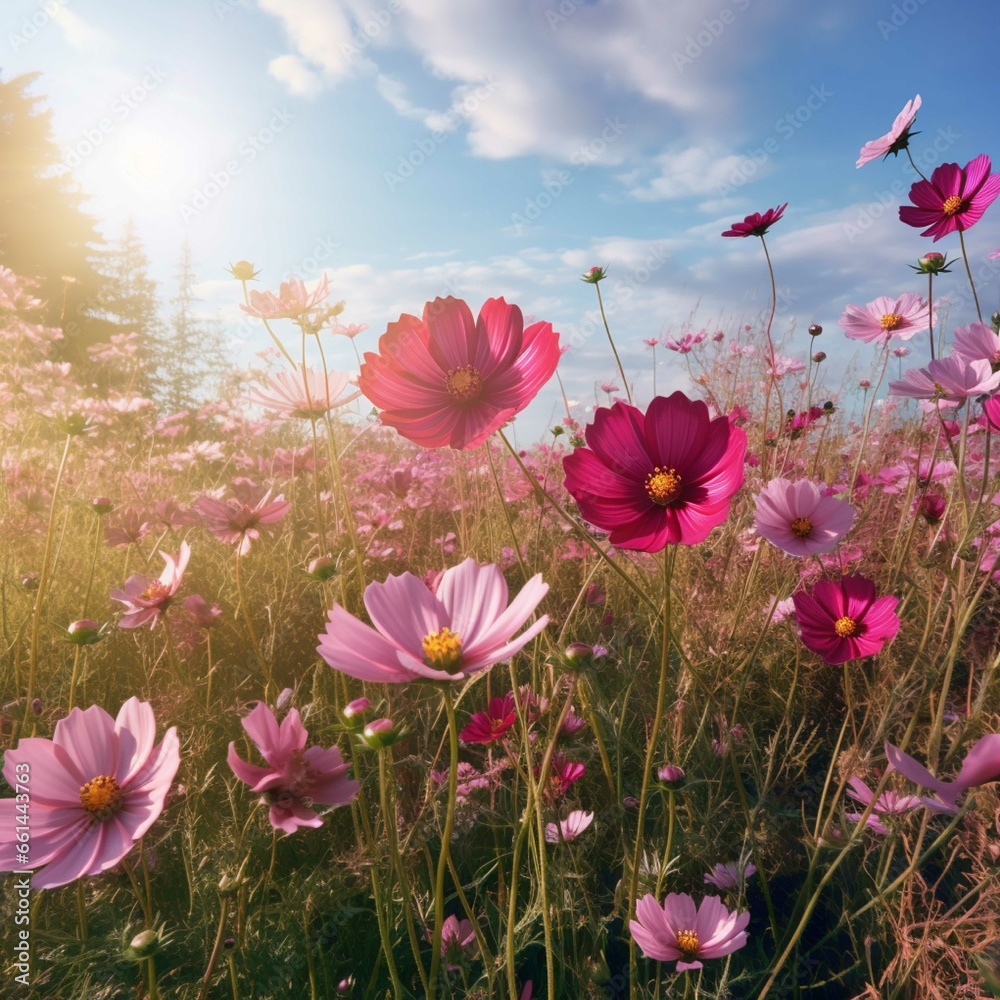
(292, 301)
(144, 599)
(569, 828)
(461, 627)
(883, 318)
(896, 139)
(95, 788)
(800, 519)
(889, 803)
(980, 766)
(350, 330)
(306, 393)
(953, 379)
(679, 929)
(235, 519)
(458, 941)
(296, 778)
(977, 342)
(729, 874)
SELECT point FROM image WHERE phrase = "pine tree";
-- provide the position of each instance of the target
(44, 234)
(190, 355)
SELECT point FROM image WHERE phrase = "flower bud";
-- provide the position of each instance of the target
(819, 356)
(102, 505)
(144, 945)
(630, 802)
(85, 632)
(671, 775)
(345, 985)
(932, 263)
(379, 734)
(815, 330)
(322, 568)
(594, 275)
(243, 270)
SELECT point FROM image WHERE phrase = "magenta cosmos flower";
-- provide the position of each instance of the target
(843, 619)
(680, 929)
(953, 379)
(450, 380)
(896, 139)
(883, 318)
(235, 520)
(800, 519)
(954, 198)
(657, 479)
(296, 778)
(491, 725)
(757, 224)
(144, 599)
(461, 627)
(306, 393)
(85, 796)
(980, 767)
(458, 941)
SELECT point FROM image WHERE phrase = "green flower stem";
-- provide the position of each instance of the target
(611, 341)
(449, 824)
(669, 556)
(968, 271)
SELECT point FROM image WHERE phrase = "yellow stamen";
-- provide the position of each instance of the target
(101, 797)
(952, 205)
(688, 944)
(464, 383)
(890, 321)
(154, 592)
(801, 527)
(443, 650)
(663, 486)
(845, 627)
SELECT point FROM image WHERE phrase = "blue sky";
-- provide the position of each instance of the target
(411, 148)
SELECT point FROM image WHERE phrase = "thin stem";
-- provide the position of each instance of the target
(614, 350)
(449, 823)
(930, 310)
(912, 164)
(968, 271)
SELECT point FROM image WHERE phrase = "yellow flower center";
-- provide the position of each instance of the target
(801, 527)
(101, 797)
(890, 321)
(443, 650)
(154, 592)
(952, 205)
(688, 944)
(464, 382)
(663, 486)
(845, 627)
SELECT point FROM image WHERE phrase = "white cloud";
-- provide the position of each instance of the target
(295, 75)
(78, 33)
(695, 171)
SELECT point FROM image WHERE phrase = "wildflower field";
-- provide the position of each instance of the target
(328, 688)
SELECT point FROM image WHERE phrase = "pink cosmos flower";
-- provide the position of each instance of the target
(800, 519)
(896, 139)
(491, 725)
(843, 620)
(889, 803)
(458, 941)
(757, 224)
(461, 627)
(295, 778)
(569, 828)
(563, 774)
(977, 342)
(883, 318)
(952, 379)
(349, 330)
(450, 380)
(680, 929)
(729, 874)
(292, 301)
(144, 599)
(95, 788)
(235, 519)
(657, 479)
(954, 198)
(202, 613)
(980, 767)
(307, 393)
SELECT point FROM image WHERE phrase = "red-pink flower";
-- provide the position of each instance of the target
(883, 318)
(681, 929)
(491, 725)
(757, 224)
(843, 620)
(464, 626)
(659, 478)
(954, 198)
(896, 139)
(235, 520)
(296, 778)
(144, 599)
(450, 380)
(92, 791)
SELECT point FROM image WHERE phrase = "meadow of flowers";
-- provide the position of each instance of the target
(693, 699)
